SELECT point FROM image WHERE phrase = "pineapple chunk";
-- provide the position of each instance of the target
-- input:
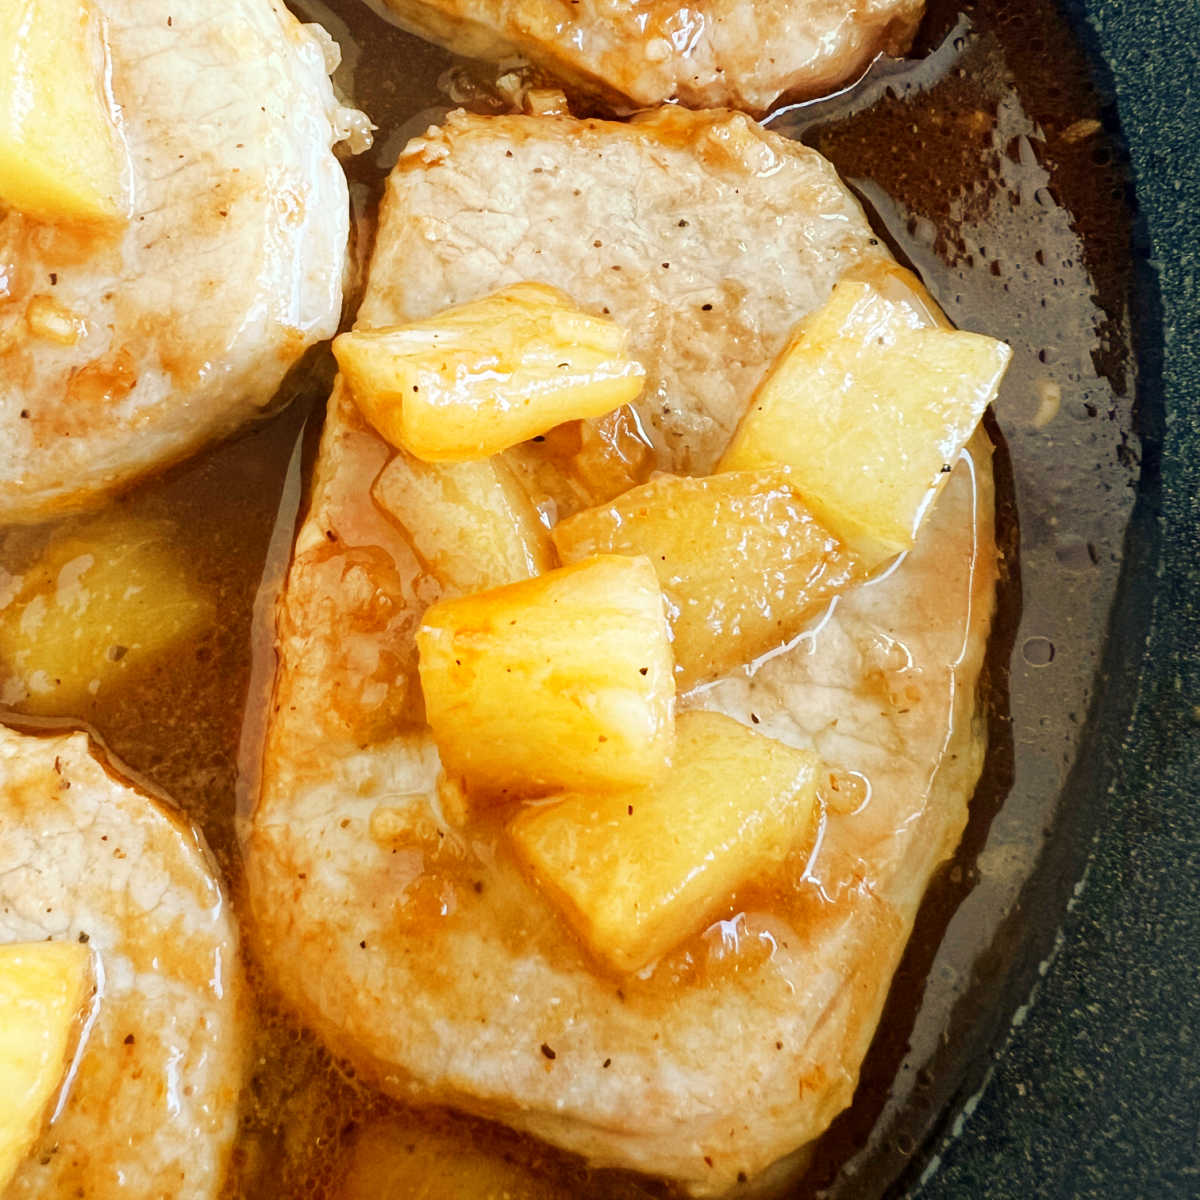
(638, 871)
(900, 286)
(43, 988)
(484, 376)
(870, 404)
(563, 681)
(470, 522)
(407, 1156)
(582, 463)
(615, 454)
(742, 562)
(61, 155)
(104, 597)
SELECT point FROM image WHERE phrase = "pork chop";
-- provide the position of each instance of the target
(151, 1109)
(742, 54)
(400, 927)
(120, 353)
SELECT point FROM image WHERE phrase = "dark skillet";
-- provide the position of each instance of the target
(1040, 1039)
(1037, 166)
(1097, 1091)
(1041, 1036)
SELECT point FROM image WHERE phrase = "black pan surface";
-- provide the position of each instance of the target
(1093, 1088)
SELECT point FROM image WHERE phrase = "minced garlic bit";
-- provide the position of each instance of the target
(48, 319)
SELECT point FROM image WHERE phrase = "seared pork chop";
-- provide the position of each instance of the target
(122, 352)
(399, 925)
(151, 1109)
(736, 53)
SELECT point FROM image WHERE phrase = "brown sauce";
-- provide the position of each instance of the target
(987, 164)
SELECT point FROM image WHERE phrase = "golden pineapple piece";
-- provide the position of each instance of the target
(615, 454)
(636, 871)
(43, 989)
(899, 286)
(105, 597)
(870, 404)
(410, 1157)
(61, 155)
(470, 522)
(478, 378)
(583, 463)
(742, 562)
(562, 681)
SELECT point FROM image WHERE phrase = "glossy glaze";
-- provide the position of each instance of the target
(1013, 64)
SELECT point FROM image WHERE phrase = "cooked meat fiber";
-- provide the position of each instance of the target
(402, 929)
(703, 235)
(734, 53)
(152, 1108)
(121, 353)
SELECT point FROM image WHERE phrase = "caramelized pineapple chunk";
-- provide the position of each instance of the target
(899, 286)
(470, 522)
(61, 156)
(741, 560)
(615, 454)
(562, 681)
(412, 1157)
(583, 463)
(637, 871)
(870, 404)
(104, 597)
(43, 989)
(478, 378)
